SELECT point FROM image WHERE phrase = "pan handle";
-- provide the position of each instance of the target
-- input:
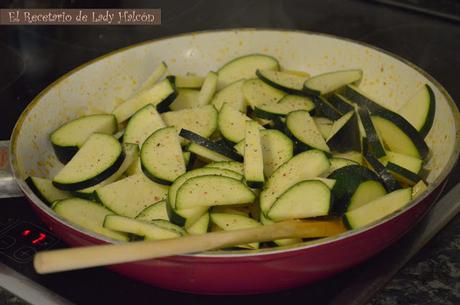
(8, 186)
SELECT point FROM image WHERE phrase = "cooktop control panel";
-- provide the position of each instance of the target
(20, 240)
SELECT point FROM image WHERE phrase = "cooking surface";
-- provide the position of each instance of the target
(32, 57)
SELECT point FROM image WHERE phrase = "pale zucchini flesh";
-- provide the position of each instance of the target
(253, 156)
(229, 222)
(259, 94)
(208, 89)
(154, 211)
(142, 124)
(45, 190)
(232, 95)
(186, 98)
(303, 128)
(329, 82)
(201, 120)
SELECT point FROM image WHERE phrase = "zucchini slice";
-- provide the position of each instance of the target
(206, 154)
(253, 156)
(99, 157)
(130, 195)
(331, 81)
(245, 67)
(88, 215)
(201, 226)
(231, 123)
(412, 164)
(208, 89)
(287, 82)
(277, 148)
(280, 242)
(324, 108)
(347, 180)
(201, 120)
(302, 127)
(397, 138)
(155, 76)
(324, 126)
(131, 152)
(142, 124)
(341, 103)
(186, 98)
(403, 175)
(232, 95)
(344, 134)
(189, 81)
(161, 156)
(189, 216)
(154, 211)
(350, 155)
(304, 166)
(378, 208)
(420, 109)
(258, 94)
(148, 229)
(364, 193)
(287, 104)
(45, 190)
(418, 189)
(375, 146)
(212, 190)
(237, 167)
(309, 198)
(220, 149)
(161, 95)
(230, 222)
(338, 162)
(68, 138)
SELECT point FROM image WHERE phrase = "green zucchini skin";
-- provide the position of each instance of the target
(430, 118)
(340, 103)
(406, 175)
(219, 148)
(374, 144)
(347, 138)
(276, 85)
(348, 178)
(94, 180)
(163, 106)
(64, 153)
(324, 108)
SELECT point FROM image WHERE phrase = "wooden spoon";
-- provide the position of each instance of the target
(92, 256)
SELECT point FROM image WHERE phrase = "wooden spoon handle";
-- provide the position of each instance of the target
(84, 257)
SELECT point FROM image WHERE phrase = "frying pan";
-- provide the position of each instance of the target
(97, 86)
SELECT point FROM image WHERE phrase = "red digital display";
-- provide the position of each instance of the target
(34, 237)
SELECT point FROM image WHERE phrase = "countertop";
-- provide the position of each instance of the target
(433, 275)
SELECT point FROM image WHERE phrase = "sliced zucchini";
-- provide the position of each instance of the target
(364, 193)
(287, 82)
(309, 198)
(220, 149)
(329, 82)
(253, 156)
(420, 109)
(341, 103)
(45, 190)
(161, 156)
(302, 127)
(208, 89)
(325, 109)
(155, 76)
(402, 174)
(412, 164)
(206, 154)
(397, 138)
(201, 120)
(287, 104)
(344, 135)
(231, 123)
(348, 179)
(418, 189)
(68, 138)
(378, 208)
(98, 158)
(338, 162)
(232, 94)
(142, 124)
(230, 222)
(350, 155)
(149, 230)
(131, 152)
(245, 67)
(154, 211)
(161, 95)
(374, 143)
(212, 190)
(399, 129)
(88, 215)
(189, 81)
(237, 167)
(201, 226)
(258, 94)
(304, 166)
(130, 195)
(324, 126)
(186, 98)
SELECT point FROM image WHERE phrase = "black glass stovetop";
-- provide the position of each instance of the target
(33, 56)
